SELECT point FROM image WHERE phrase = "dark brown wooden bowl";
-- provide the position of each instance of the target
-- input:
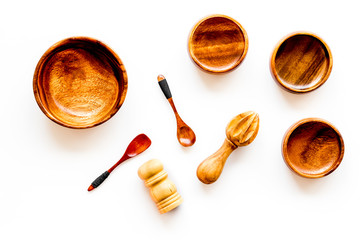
(218, 44)
(80, 82)
(313, 148)
(301, 62)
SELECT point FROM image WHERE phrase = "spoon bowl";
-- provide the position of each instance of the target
(139, 144)
(186, 136)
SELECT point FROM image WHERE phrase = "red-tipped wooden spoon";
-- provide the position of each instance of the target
(185, 134)
(138, 145)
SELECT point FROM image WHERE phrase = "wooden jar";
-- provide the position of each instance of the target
(162, 190)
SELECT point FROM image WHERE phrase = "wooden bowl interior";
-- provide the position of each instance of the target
(313, 148)
(302, 63)
(80, 83)
(218, 44)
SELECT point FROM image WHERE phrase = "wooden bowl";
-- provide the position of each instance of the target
(313, 148)
(218, 44)
(301, 62)
(80, 82)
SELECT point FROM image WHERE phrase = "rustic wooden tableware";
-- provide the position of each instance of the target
(301, 62)
(184, 133)
(162, 190)
(138, 145)
(80, 82)
(240, 131)
(218, 43)
(313, 148)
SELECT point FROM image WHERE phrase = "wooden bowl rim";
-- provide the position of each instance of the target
(287, 159)
(232, 67)
(323, 78)
(121, 96)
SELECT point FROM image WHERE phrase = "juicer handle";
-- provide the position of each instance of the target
(210, 169)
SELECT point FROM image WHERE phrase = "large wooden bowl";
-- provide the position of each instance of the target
(218, 44)
(80, 82)
(313, 148)
(301, 62)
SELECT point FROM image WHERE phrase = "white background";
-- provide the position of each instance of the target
(45, 169)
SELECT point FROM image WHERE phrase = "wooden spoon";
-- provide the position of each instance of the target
(241, 131)
(185, 134)
(138, 145)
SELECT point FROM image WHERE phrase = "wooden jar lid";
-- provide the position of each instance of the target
(313, 148)
(218, 44)
(301, 62)
(80, 82)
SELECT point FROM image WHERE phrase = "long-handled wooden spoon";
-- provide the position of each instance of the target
(138, 145)
(185, 134)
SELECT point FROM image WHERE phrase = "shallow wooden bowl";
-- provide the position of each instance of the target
(301, 62)
(313, 148)
(80, 82)
(218, 44)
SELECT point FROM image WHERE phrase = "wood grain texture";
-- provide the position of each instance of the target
(218, 44)
(80, 82)
(301, 62)
(184, 133)
(162, 190)
(313, 148)
(240, 131)
(138, 145)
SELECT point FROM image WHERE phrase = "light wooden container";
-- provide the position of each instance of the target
(162, 190)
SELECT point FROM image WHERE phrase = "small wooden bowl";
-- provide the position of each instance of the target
(80, 82)
(301, 62)
(218, 44)
(313, 148)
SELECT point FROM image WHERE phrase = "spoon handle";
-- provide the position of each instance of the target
(210, 169)
(164, 86)
(99, 180)
(166, 90)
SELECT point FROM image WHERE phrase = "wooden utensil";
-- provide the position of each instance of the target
(80, 82)
(301, 62)
(218, 43)
(313, 148)
(162, 190)
(138, 145)
(241, 131)
(185, 134)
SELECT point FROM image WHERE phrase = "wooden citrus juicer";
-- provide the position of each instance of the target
(185, 134)
(240, 131)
